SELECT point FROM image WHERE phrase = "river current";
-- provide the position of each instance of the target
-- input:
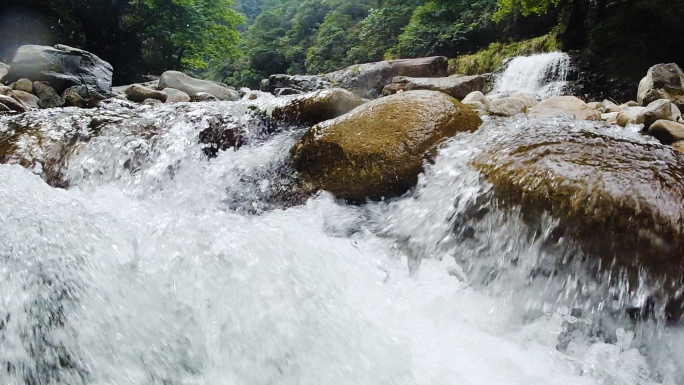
(182, 270)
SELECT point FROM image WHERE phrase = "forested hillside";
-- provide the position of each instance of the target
(240, 42)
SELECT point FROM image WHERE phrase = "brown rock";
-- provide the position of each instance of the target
(378, 149)
(667, 131)
(316, 107)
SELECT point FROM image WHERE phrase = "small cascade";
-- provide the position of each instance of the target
(544, 75)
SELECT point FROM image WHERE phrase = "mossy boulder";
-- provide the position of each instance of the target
(316, 107)
(621, 197)
(377, 150)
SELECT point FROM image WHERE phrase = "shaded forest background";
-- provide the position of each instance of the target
(240, 42)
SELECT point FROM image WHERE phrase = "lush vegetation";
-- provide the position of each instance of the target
(136, 36)
(242, 41)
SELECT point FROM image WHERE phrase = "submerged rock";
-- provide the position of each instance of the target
(192, 86)
(316, 107)
(663, 81)
(622, 198)
(62, 67)
(564, 105)
(378, 149)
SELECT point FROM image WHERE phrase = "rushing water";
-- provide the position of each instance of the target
(544, 75)
(179, 271)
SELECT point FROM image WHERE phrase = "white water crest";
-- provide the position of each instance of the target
(183, 275)
(543, 75)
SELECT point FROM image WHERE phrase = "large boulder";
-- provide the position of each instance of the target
(663, 81)
(661, 109)
(191, 86)
(667, 131)
(281, 84)
(378, 149)
(621, 197)
(457, 86)
(564, 105)
(368, 80)
(62, 67)
(316, 107)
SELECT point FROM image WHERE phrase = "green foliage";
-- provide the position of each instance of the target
(491, 58)
(523, 7)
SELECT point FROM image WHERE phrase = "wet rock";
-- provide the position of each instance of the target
(4, 108)
(368, 80)
(477, 97)
(678, 146)
(192, 86)
(62, 67)
(47, 95)
(29, 100)
(24, 84)
(175, 96)
(152, 102)
(667, 131)
(139, 94)
(661, 109)
(13, 104)
(528, 100)
(222, 133)
(294, 84)
(316, 107)
(378, 149)
(82, 96)
(507, 106)
(663, 81)
(4, 70)
(632, 190)
(203, 97)
(457, 86)
(286, 91)
(564, 105)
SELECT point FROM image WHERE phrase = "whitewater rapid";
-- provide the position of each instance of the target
(180, 272)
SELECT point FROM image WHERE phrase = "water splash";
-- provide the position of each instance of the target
(543, 75)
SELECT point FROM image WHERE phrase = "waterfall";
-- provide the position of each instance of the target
(543, 75)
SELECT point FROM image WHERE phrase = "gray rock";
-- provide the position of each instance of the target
(62, 67)
(301, 83)
(24, 84)
(4, 70)
(48, 96)
(564, 105)
(456, 86)
(203, 97)
(663, 81)
(30, 100)
(139, 93)
(368, 80)
(192, 86)
(666, 131)
(82, 96)
(507, 106)
(658, 110)
(176, 96)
